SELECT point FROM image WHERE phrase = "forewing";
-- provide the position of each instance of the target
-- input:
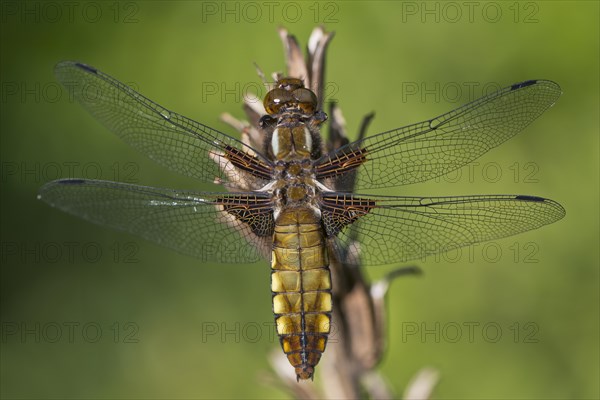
(177, 142)
(432, 148)
(223, 227)
(384, 230)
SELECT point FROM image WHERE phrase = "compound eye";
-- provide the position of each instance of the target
(307, 101)
(275, 99)
(290, 83)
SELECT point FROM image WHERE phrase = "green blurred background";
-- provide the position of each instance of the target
(157, 311)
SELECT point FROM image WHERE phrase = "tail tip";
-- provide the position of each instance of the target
(305, 372)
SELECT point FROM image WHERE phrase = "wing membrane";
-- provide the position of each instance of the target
(179, 143)
(223, 227)
(398, 229)
(432, 148)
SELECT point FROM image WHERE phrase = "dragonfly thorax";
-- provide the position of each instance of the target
(291, 142)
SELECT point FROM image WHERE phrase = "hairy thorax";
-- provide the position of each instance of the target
(293, 146)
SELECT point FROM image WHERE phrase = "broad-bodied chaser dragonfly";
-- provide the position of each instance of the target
(283, 201)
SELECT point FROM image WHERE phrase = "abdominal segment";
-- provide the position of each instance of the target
(301, 288)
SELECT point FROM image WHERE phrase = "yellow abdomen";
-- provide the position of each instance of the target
(301, 288)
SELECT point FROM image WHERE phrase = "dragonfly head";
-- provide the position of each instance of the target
(290, 94)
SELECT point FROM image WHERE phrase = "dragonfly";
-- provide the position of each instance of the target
(285, 202)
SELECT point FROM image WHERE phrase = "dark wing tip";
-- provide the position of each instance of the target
(541, 82)
(65, 181)
(86, 67)
(559, 210)
(48, 186)
(524, 84)
(70, 181)
(76, 64)
(530, 198)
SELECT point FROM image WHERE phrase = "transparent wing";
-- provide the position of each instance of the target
(179, 143)
(223, 227)
(384, 230)
(432, 148)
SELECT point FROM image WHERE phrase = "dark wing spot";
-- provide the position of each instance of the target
(72, 181)
(523, 84)
(87, 68)
(530, 198)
